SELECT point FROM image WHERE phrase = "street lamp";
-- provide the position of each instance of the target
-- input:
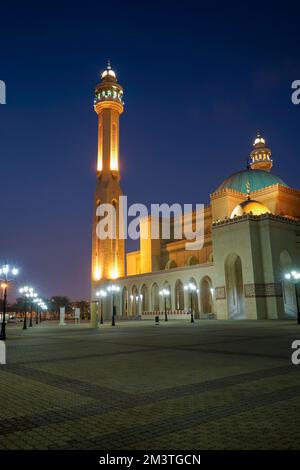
(295, 277)
(24, 291)
(191, 288)
(31, 295)
(101, 294)
(7, 275)
(38, 306)
(113, 289)
(165, 294)
(43, 306)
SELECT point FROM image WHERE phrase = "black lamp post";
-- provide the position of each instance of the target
(41, 306)
(3, 328)
(6, 275)
(25, 315)
(27, 294)
(101, 294)
(191, 288)
(113, 289)
(165, 293)
(30, 306)
(37, 314)
(31, 296)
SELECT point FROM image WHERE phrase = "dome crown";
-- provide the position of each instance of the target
(260, 155)
(108, 74)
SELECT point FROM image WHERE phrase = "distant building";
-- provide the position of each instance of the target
(251, 240)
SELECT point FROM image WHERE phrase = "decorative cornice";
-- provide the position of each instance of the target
(232, 192)
(279, 218)
(166, 272)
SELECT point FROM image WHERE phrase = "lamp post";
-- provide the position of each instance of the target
(295, 277)
(113, 289)
(191, 288)
(38, 305)
(101, 294)
(165, 294)
(43, 306)
(24, 291)
(7, 275)
(28, 296)
(31, 296)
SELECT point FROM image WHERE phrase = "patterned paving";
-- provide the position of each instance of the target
(176, 386)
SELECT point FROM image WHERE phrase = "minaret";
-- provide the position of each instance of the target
(260, 155)
(108, 256)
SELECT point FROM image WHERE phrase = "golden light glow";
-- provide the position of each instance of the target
(259, 140)
(108, 72)
(99, 163)
(250, 207)
(114, 273)
(97, 274)
(3, 285)
(114, 162)
(100, 145)
(114, 147)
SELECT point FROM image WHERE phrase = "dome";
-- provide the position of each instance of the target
(256, 179)
(108, 74)
(250, 207)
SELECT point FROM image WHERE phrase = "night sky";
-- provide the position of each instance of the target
(198, 80)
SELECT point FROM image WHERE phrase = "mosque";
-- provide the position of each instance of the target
(242, 270)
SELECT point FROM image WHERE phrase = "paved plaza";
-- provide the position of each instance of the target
(177, 385)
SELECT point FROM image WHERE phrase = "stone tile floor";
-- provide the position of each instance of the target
(177, 385)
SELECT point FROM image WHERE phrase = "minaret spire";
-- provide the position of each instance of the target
(260, 155)
(108, 254)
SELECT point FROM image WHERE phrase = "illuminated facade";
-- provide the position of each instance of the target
(251, 239)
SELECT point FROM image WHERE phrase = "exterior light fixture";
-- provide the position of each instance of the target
(7, 275)
(294, 276)
(165, 294)
(191, 288)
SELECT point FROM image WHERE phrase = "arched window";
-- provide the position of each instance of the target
(134, 301)
(206, 298)
(145, 302)
(179, 296)
(125, 302)
(167, 287)
(192, 260)
(171, 264)
(288, 288)
(155, 298)
(234, 287)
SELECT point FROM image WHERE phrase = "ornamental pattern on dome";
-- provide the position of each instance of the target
(258, 179)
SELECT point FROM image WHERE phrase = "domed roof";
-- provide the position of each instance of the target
(256, 179)
(249, 207)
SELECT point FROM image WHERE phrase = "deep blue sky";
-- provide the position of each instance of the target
(199, 81)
